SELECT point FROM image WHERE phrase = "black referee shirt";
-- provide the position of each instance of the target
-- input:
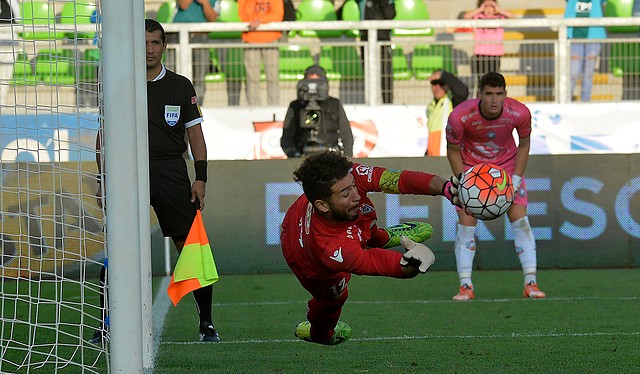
(172, 108)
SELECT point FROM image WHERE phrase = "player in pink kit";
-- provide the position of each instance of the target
(330, 232)
(481, 131)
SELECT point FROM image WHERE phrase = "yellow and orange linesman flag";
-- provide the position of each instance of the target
(195, 267)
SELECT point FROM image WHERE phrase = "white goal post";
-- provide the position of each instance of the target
(67, 69)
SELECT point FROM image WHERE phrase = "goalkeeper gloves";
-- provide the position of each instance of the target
(450, 189)
(418, 255)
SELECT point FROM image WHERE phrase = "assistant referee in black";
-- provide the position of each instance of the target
(173, 110)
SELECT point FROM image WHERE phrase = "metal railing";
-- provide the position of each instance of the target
(537, 68)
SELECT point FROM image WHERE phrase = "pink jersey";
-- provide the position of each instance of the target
(490, 141)
(318, 250)
(484, 36)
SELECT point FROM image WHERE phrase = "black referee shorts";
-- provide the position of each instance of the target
(170, 192)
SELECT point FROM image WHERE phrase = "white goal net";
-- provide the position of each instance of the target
(51, 235)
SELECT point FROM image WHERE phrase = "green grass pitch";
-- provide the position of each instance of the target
(588, 324)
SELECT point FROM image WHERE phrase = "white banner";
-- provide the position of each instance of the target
(400, 131)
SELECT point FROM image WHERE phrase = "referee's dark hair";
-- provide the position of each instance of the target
(151, 25)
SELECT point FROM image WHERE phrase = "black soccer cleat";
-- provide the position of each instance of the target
(208, 333)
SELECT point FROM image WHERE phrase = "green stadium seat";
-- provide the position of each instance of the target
(233, 66)
(228, 13)
(23, 73)
(345, 61)
(411, 10)
(77, 13)
(313, 11)
(400, 64)
(326, 61)
(294, 60)
(55, 67)
(625, 59)
(166, 12)
(620, 8)
(89, 67)
(38, 21)
(217, 75)
(428, 58)
(351, 12)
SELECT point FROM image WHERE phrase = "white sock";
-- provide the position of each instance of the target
(465, 250)
(525, 245)
(529, 278)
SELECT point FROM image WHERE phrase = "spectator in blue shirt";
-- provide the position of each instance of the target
(584, 55)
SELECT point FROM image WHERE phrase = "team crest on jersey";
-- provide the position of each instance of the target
(366, 209)
(171, 114)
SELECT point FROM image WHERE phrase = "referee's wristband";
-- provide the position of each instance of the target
(201, 170)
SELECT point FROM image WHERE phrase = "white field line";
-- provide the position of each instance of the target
(427, 337)
(382, 302)
(163, 303)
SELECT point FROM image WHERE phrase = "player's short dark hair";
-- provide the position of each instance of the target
(492, 79)
(151, 25)
(320, 171)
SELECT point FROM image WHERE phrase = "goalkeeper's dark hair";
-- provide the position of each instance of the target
(319, 171)
(492, 79)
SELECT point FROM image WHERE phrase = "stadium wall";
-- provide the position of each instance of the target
(584, 210)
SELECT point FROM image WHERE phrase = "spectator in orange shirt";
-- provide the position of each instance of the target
(257, 12)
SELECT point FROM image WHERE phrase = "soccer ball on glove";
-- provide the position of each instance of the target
(486, 191)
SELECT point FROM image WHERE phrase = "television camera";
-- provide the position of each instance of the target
(311, 92)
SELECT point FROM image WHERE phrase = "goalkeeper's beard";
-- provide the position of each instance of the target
(348, 215)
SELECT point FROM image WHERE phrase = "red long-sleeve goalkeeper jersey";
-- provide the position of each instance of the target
(317, 249)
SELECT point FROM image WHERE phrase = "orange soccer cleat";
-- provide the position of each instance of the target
(532, 291)
(465, 293)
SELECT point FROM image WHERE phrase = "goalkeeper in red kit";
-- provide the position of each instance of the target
(330, 232)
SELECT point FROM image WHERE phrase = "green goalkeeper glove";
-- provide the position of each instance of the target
(418, 255)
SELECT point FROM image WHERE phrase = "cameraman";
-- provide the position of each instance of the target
(315, 121)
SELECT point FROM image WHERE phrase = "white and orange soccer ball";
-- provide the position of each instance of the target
(486, 191)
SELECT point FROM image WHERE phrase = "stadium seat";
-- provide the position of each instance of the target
(233, 66)
(166, 12)
(294, 60)
(620, 8)
(400, 65)
(411, 10)
(38, 21)
(428, 58)
(217, 75)
(89, 67)
(316, 10)
(326, 61)
(23, 70)
(351, 12)
(625, 59)
(77, 13)
(345, 61)
(228, 13)
(55, 67)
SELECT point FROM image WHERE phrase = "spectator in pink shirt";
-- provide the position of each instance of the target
(488, 48)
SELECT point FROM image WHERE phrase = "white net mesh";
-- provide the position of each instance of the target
(51, 229)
